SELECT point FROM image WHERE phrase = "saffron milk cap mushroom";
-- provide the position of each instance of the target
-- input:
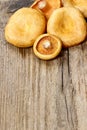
(46, 6)
(68, 24)
(47, 46)
(24, 26)
(80, 4)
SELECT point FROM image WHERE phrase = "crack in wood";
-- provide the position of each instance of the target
(68, 62)
(62, 75)
(67, 109)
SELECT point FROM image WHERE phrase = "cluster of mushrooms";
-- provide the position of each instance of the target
(48, 25)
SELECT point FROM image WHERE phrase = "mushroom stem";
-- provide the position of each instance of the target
(47, 44)
(42, 4)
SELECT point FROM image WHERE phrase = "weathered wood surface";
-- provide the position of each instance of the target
(41, 95)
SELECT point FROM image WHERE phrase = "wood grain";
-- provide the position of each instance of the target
(41, 95)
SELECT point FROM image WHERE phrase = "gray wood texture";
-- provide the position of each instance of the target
(41, 95)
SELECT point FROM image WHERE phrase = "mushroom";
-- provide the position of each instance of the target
(68, 24)
(24, 26)
(46, 6)
(79, 4)
(47, 46)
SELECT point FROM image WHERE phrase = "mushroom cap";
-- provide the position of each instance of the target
(24, 26)
(68, 24)
(46, 6)
(79, 4)
(47, 46)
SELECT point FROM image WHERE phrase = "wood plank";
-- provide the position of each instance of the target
(41, 95)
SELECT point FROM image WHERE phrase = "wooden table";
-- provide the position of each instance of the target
(41, 95)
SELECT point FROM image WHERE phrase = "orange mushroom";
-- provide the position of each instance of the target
(47, 46)
(46, 6)
(68, 24)
(22, 29)
(79, 4)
